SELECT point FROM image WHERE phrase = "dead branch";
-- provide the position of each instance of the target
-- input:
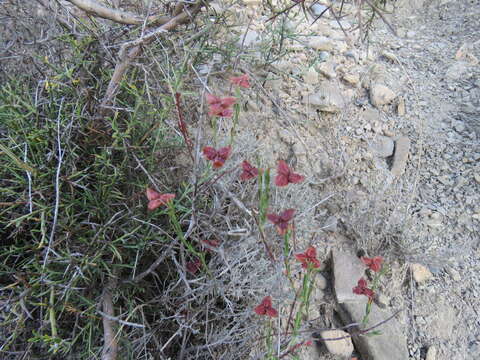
(110, 345)
(131, 50)
(119, 16)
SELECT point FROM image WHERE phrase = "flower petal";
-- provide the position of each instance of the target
(311, 252)
(274, 218)
(228, 101)
(295, 178)
(281, 180)
(209, 152)
(283, 168)
(153, 204)
(212, 99)
(287, 215)
(166, 197)
(260, 310)
(271, 312)
(224, 152)
(152, 194)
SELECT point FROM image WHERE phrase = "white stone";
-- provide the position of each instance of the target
(343, 347)
(420, 273)
(381, 95)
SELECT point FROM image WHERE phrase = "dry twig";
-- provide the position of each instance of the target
(119, 16)
(110, 345)
(131, 50)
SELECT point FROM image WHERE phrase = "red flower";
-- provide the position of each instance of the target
(309, 258)
(217, 156)
(361, 289)
(249, 172)
(286, 176)
(210, 244)
(220, 106)
(374, 264)
(193, 266)
(265, 308)
(242, 80)
(156, 199)
(282, 220)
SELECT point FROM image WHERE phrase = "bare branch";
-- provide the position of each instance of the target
(110, 345)
(119, 16)
(131, 50)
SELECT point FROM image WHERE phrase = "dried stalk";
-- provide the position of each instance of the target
(110, 345)
(119, 16)
(132, 49)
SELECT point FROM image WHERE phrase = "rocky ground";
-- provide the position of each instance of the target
(392, 128)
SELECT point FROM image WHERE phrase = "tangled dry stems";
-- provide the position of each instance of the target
(106, 260)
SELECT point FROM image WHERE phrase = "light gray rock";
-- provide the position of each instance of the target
(420, 273)
(331, 224)
(320, 282)
(454, 274)
(347, 270)
(442, 321)
(321, 43)
(317, 9)
(431, 353)
(391, 344)
(402, 149)
(311, 76)
(352, 79)
(381, 95)
(327, 69)
(342, 347)
(382, 301)
(382, 146)
(328, 98)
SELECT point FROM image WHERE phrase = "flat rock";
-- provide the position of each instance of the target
(401, 106)
(352, 79)
(327, 70)
(311, 76)
(342, 347)
(347, 270)
(442, 320)
(391, 344)
(331, 224)
(382, 146)
(431, 353)
(328, 98)
(402, 149)
(381, 95)
(322, 43)
(317, 9)
(420, 273)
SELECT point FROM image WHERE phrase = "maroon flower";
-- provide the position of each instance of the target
(265, 308)
(218, 157)
(309, 258)
(209, 245)
(155, 199)
(286, 176)
(249, 172)
(361, 289)
(193, 266)
(220, 106)
(374, 264)
(281, 220)
(242, 80)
